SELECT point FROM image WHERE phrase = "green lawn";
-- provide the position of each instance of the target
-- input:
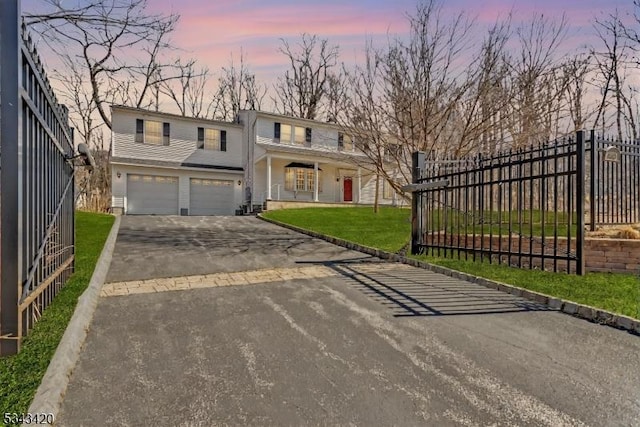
(525, 223)
(390, 230)
(20, 375)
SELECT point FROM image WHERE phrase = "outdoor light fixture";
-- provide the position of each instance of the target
(118, 175)
(239, 182)
(84, 153)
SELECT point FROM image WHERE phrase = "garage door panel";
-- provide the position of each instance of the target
(211, 197)
(152, 194)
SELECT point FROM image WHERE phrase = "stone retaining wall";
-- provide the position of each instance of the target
(612, 255)
(601, 255)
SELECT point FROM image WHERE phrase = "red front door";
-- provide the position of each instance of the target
(348, 189)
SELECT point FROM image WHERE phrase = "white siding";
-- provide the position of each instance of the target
(322, 136)
(182, 144)
(369, 190)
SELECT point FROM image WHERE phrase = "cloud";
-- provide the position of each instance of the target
(213, 30)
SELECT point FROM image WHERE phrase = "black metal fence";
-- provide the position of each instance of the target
(613, 170)
(526, 207)
(36, 187)
(522, 207)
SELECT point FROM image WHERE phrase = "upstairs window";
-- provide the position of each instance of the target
(285, 133)
(289, 134)
(345, 142)
(282, 133)
(302, 136)
(152, 132)
(212, 139)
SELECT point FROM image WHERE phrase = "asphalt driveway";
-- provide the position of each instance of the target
(234, 321)
(170, 246)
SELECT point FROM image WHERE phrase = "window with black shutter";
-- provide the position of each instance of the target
(340, 141)
(276, 130)
(200, 138)
(223, 140)
(212, 139)
(139, 130)
(166, 132)
(307, 135)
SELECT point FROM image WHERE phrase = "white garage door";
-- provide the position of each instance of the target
(211, 197)
(152, 194)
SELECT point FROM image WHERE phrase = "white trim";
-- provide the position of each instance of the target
(144, 112)
(268, 177)
(359, 184)
(315, 181)
(186, 168)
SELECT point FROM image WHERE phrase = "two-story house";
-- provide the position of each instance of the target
(299, 160)
(168, 164)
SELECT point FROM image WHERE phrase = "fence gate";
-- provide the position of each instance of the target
(36, 185)
(522, 207)
(613, 168)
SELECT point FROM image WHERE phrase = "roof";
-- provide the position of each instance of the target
(145, 162)
(296, 119)
(174, 116)
(313, 150)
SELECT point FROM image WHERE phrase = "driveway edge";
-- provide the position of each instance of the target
(54, 384)
(575, 309)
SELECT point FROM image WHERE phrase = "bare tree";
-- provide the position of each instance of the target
(576, 70)
(302, 91)
(536, 99)
(632, 33)
(405, 97)
(337, 96)
(482, 111)
(612, 65)
(111, 53)
(238, 89)
(187, 90)
(100, 37)
(94, 188)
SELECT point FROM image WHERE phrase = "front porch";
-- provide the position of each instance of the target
(286, 178)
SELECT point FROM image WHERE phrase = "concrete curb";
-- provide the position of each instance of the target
(54, 384)
(582, 311)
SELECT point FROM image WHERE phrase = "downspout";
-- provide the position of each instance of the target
(250, 165)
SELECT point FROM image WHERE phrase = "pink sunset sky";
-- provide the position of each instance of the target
(212, 30)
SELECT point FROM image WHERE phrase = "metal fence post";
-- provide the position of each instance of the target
(580, 193)
(593, 156)
(417, 163)
(10, 137)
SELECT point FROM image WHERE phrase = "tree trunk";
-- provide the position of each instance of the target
(376, 198)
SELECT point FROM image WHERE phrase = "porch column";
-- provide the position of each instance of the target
(359, 185)
(315, 182)
(268, 176)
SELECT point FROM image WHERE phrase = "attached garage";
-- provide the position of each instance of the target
(152, 194)
(211, 197)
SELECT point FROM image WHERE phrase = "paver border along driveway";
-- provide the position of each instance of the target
(278, 328)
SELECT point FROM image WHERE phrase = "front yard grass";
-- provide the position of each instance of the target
(21, 374)
(390, 230)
